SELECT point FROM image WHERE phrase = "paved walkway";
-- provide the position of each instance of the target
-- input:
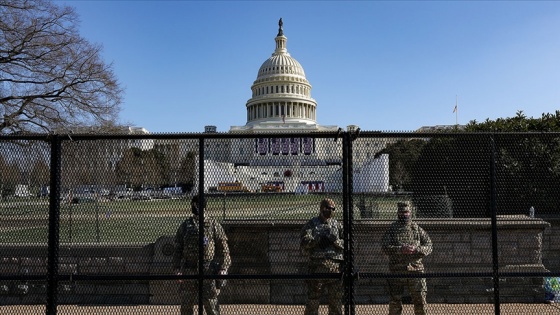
(441, 309)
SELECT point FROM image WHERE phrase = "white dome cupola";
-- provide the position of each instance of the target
(281, 93)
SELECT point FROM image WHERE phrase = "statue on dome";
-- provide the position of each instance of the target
(280, 31)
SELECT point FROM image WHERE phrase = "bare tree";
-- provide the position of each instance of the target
(143, 168)
(51, 77)
(10, 176)
(187, 170)
(40, 174)
(88, 162)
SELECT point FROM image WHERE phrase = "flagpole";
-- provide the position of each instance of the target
(456, 112)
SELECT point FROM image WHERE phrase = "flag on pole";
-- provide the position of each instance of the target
(456, 102)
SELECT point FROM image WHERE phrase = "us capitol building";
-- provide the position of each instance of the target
(281, 102)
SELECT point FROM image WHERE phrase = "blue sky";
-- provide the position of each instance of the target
(381, 65)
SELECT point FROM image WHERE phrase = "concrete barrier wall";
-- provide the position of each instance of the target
(272, 248)
(82, 259)
(551, 244)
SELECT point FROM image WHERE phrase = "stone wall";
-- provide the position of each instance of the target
(261, 248)
(551, 244)
(83, 259)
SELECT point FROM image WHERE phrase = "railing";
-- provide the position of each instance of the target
(470, 191)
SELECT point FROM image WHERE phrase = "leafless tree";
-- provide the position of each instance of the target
(88, 162)
(187, 171)
(10, 176)
(142, 169)
(40, 174)
(51, 77)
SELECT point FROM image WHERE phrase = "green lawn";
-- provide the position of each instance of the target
(134, 221)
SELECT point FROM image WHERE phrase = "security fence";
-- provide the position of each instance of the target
(90, 223)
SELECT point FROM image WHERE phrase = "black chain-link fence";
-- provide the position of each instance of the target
(104, 223)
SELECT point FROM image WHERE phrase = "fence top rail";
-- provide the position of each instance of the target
(178, 136)
(228, 135)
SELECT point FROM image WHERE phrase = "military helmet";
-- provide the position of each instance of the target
(195, 199)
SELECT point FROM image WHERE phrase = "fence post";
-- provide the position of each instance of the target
(348, 216)
(201, 219)
(493, 214)
(54, 227)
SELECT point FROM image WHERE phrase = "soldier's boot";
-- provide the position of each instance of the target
(212, 307)
(335, 310)
(420, 310)
(395, 307)
(186, 309)
(335, 303)
(188, 300)
(419, 300)
(312, 307)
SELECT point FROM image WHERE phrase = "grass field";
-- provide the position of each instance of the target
(141, 221)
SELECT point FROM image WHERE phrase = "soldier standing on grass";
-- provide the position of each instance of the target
(406, 244)
(185, 260)
(322, 242)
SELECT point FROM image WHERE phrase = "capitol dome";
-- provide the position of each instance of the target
(281, 62)
(281, 94)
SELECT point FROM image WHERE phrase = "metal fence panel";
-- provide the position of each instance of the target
(100, 227)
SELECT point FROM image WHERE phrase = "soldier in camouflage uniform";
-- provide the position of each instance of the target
(185, 260)
(406, 244)
(322, 242)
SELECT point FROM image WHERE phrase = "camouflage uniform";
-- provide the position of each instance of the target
(323, 243)
(400, 234)
(185, 259)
